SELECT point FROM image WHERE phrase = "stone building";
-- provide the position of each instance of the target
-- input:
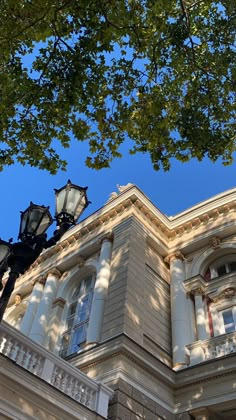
(130, 316)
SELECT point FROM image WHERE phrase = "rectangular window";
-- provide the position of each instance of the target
(228, 319)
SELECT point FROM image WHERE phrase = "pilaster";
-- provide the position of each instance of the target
(179, 309)
(100, 291)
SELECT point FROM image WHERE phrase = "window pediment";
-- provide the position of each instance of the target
(217, 288)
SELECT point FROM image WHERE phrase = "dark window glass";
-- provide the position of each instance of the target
(228, 321)
(221, 270)
(232, 266)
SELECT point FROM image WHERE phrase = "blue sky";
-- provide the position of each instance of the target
(174, 191)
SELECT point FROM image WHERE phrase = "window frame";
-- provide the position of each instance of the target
(217, 310)
(76, 297)
(233, 311)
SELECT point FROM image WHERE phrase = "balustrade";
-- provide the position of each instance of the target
(212, 348)
(54, 370)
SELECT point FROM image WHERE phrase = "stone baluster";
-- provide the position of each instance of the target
(100, 291)
(41, 321)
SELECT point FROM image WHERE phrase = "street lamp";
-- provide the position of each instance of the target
(71, 201)
(35, 220)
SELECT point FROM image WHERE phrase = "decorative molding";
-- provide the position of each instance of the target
(127, 355)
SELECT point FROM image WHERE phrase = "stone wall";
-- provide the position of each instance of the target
(128, 403)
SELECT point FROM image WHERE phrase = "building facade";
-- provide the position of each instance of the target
(132, 315)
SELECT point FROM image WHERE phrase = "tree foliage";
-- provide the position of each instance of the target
(161, 73)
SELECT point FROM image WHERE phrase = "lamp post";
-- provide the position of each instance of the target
(71, 201)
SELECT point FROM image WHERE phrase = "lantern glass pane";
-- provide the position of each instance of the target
(34, 220)
(81, 207)
(45, 223)
(4, 251)
(60, 200)
(24, 219)
(72, 201)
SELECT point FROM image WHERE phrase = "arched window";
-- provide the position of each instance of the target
(78, 317)
(220, 267)
(226, 268)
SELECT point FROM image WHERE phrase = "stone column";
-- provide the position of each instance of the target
(32, 307)
(200, 315)
(100, 291)
(41, 321)
(179, 309)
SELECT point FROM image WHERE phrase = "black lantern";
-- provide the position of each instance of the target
(71, 201)
(5, 249)
(35, 220)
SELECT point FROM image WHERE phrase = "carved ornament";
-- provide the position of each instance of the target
(228, 293)
(80, 261)
(215, 242)
(17, 300)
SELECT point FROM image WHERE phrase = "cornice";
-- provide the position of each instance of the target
(169, 229)
(207, 371)
(125, 346)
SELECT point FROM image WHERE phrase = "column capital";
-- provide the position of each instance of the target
(198, 292)
(176, 255)
(54, 271)
(40, 279)
(108, 237)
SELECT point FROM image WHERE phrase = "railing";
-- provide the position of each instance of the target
(54, 370)
(212, 348)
